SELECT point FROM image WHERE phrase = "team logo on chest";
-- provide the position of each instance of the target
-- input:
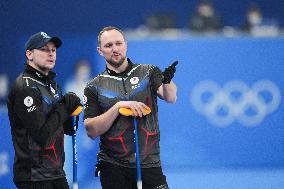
(134, 82)
(28, 101)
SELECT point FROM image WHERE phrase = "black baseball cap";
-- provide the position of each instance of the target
(40, 39)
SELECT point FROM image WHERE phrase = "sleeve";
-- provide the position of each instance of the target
(156, 78)
(91, 104)
(29, 108)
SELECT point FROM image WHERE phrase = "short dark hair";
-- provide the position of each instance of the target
(108, 28)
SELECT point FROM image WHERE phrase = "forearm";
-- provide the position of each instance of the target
(98, 125)
(168, 92)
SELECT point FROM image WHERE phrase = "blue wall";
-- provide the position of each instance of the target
(192, 138)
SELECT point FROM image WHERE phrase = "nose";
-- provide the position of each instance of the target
(115, 48)
(51, 53)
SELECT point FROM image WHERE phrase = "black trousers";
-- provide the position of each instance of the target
(116, 177)
(49, 184)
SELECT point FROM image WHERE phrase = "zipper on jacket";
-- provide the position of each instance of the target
(124, 87)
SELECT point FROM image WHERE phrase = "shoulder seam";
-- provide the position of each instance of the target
(39, 82)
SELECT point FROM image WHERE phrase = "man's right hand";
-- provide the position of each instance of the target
(71, 102)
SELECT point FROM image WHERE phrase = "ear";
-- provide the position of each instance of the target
(29, 54)
(100, 51)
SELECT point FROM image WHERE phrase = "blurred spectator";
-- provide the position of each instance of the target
(257, 25)
(160, 21)
(205, 18)
(78, 81)
(3, 88)
(253, 18)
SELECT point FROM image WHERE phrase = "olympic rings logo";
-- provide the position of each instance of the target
(235, 101)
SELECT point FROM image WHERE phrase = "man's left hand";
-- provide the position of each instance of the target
(169, 73)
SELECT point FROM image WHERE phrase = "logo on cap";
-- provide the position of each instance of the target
(44, 35)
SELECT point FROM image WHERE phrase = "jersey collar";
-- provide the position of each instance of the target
(29, 69)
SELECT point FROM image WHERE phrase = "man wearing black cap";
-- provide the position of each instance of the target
(39, 116)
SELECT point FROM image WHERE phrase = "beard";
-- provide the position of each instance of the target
(116, 64)
(41, 66)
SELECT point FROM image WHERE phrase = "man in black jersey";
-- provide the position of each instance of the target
(39, 116)
(134, 86)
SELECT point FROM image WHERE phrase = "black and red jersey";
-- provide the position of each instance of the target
(137, 83)
(37, 126)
